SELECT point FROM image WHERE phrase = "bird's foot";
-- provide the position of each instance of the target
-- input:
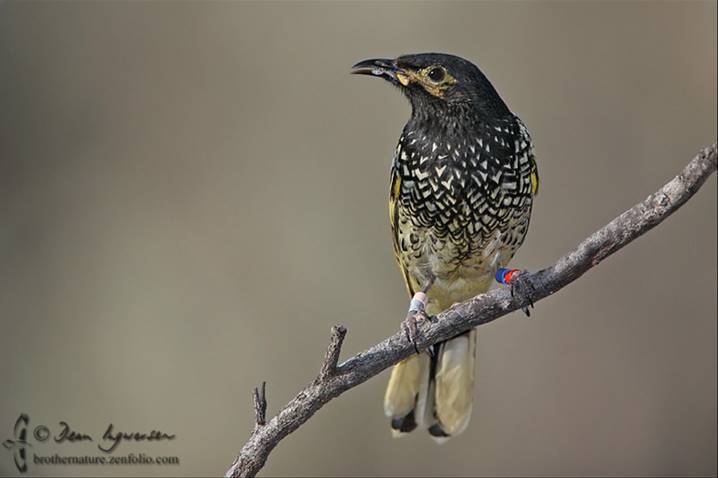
(521, 285)
(417, 312)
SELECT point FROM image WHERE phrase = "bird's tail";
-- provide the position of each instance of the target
(434, 392)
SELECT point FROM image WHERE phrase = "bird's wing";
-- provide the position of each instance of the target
(534, 175)
(533, 171)
(394, 192)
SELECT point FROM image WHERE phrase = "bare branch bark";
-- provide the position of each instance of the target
(259, 400)
(329, 367)
(334, 380)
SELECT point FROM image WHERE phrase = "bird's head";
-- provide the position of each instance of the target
(437, 80)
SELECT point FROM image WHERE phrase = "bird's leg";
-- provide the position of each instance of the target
(520, 284)
(417, 311)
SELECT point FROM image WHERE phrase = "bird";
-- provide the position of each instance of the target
(462, 185)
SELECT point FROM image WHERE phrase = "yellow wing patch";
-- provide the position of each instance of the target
(393, 197)
(534, 176)
(534, 182)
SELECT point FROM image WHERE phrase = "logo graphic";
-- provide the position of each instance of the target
(19, 445)
(24, 453)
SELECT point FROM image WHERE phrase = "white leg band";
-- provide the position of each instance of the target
(418, 302)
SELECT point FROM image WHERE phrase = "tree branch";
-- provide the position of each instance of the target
(331, 359)
(333, 380)
(259, 400)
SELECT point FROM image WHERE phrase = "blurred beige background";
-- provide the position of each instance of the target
(191, 194)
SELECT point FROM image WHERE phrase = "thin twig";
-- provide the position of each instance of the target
(259, 400)
(329, 366)
(477, 311)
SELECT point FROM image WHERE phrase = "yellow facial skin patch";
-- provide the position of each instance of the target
(436, 89)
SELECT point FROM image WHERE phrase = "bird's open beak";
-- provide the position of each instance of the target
(381, 67)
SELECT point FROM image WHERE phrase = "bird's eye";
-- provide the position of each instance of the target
(436, 74)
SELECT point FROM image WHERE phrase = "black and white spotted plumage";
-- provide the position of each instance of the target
(461, 203)
(463, 179)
